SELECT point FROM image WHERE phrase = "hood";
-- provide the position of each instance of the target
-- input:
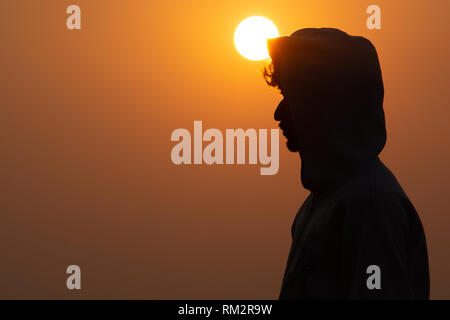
(333, 84)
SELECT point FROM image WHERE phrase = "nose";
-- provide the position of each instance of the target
(280, 111)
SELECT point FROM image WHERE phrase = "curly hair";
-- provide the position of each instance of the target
(271, 74)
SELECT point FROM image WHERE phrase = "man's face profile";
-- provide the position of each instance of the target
(282, 112)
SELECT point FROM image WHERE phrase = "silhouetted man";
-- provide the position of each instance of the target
(357, 235)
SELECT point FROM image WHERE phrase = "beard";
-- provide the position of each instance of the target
(290, 135)
(291, 142)
(292, 145)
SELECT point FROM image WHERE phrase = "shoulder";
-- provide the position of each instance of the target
(375, 197)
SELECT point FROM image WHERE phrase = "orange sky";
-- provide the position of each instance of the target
(86, 120)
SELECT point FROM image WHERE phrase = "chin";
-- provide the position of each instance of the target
(291, 143)
(291, 146)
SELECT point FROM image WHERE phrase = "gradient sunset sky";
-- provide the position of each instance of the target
(86, 118)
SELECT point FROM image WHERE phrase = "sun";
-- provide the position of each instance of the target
(250, 37)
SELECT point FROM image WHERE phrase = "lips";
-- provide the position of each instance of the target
(282, 126)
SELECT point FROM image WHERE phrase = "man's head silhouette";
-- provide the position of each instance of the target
(357, 214)
(332, 107)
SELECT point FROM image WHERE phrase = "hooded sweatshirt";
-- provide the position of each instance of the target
(357, 235)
